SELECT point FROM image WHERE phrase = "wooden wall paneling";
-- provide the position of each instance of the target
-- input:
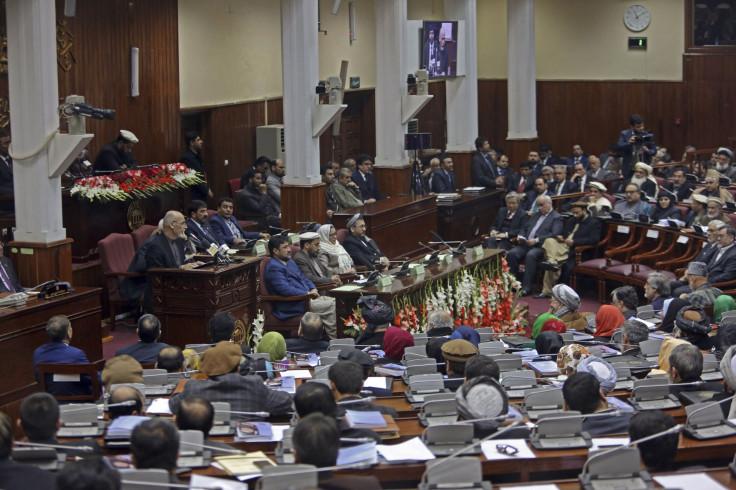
(103, 33)
(710, 99)
(393, 181)
(432, 118)
(302, 204)
(357, 129)
(493, 114)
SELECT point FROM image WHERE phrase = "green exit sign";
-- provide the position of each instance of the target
(637, 43)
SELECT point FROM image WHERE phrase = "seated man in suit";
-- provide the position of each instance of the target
(595, 171)
(226, 228)
(8, 280)
(283, 278)
(308, 262)
(362, 249)
(581, 230)
(155, 444)
(199, 230)
(561, 185)
(316, 441)
(16, 476)
(346, 382)
(347, 192)
(632, 206)
(679, 186)
(580, 179)
(222, 327)
(686, 366)
(147, 347)
(366, 181)
(170, 359)
(721, 264)
(643, 178)
(582, 392)
(310, 336)
(657, 289)
(633, 332)
(545, 223)
(58, 351)
(483, 171)
(197, 413)
(508, 223)
(225, 383)
(263, 164)
(504, 171)
(255, 202)
(443, 181)
(578, 156)
(530, 201)
(521, 182)
(699, 290)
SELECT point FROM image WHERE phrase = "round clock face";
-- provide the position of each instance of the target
(637, 18)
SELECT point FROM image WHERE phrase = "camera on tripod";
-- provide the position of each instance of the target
(641, 136)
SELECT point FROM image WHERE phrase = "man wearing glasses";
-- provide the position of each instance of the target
(632, 207)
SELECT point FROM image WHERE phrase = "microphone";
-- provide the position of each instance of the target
(468, 448)
(128, 403)
(458, 251)
(596, 342)
(366, 345)
(249, 414)
(213, 448)
(166, 485)
(54, 446)
(434, 258)
(672, 430)
(487, 419)
(707, 404)
(360, 400)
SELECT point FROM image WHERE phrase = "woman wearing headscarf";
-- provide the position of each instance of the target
(548, 343)
(539, 323)
(665, 209)
(723, 304)
(395, 340)
(569, 357)
(554, 325)
(331, 253)
(564, 304)
(273, 344)
(670, 313)
(378, 317)
(692, 324)
(466, 333)
(608, 319)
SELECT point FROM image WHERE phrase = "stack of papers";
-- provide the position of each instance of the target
(245, 466)
(360, 453)
(411, 450)
(389, 369)
(123, 426)
(296, 374)
(159, 406)
(359, 419)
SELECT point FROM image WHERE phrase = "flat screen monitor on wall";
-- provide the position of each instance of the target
(439, 48)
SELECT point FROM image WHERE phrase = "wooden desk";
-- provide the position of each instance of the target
(185, 300)
(468, 218)
(406, 285)
(23, 329)
(396, 224)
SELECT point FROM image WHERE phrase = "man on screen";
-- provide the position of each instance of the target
(430, 53)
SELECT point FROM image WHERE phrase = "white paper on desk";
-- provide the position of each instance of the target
(688, 480)
(543, 486)
(65, 378)
(411, 450)
(375, 382)
(607, 442)
(650, 325)
(296, 374)
(201, 481)
(361, 281)
(159, 406)
(491, 453)
(620, 404)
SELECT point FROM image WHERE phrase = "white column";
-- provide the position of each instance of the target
(462, 92)
(300, 66)
(390, 82)
(522, 89)
(34, 99)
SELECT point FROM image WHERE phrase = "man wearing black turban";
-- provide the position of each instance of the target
(378, 317)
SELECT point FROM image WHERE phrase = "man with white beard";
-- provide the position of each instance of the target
(712, 188)
(714, 211)
(723, 166)
(643, 178)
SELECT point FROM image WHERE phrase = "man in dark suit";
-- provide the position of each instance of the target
(530, 201)
(581, 230)
(310, 336)
(578, 156)
(504, 171)
(561, 185)
(509, 221)
(722, 265)
(328, 177)
(16, 476)
(521, 182)
(580, 178)
(544, 158)
(227, 229)
(263, 164)
(192, 158)
(366, 181)
(147, 347)
(595, 172)
(117, 155)
(543, 224)
(632, 148)
(362, 249)
(6, 173)
(283, 278)
(679, 185)
(58, 351)
(483, 172)
(199, 230)
(254, 202)
(443, 182)
(430, 53)
(346, 382)
(8, 279)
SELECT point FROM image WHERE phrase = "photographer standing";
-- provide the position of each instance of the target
(636, 145)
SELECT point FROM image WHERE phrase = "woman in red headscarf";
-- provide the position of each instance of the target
(395, 340)
(608, 319)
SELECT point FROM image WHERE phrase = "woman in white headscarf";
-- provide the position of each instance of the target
(331, 253)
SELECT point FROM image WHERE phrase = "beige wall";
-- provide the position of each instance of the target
(230, 50)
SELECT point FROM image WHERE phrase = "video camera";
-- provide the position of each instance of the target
(641, 136)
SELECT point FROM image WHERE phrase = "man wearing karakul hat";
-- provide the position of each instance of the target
(457, 353)
(712, 187)
(117, 155)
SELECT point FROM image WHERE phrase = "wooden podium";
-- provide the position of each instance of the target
(185, 300)
(396, 224)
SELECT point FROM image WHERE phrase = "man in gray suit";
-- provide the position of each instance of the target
(307, 261)
(545, 223)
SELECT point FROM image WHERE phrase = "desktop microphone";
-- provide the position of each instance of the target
(128, 403)
(596, 342)
(53, 446)
(213, 448)
(434, 258)
(360, 400)
(457, 251)
(249, 414)
(706, 404)
(133, 483)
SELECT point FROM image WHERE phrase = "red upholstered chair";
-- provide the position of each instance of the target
(341, 235)
(287, 327)
(211, 213)
(610, 198)
(89, 369)
(142, 234)
(116, 252)
(660, 180)
(732, 217)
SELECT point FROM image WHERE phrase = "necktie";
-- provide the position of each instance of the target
(6, 280)
(536, 226)
(508, 216)
(488, 161)
(522, 181)
(233, 229)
